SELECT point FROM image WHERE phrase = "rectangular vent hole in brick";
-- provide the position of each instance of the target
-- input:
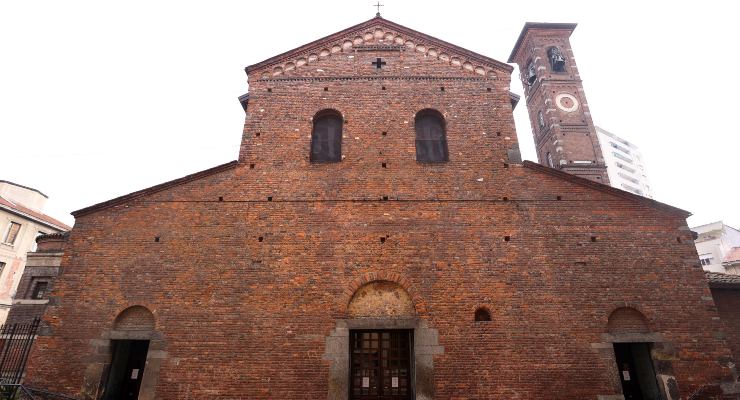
(259, 239)
(251, 166)
(678, 239)
(384, 133)
(382, 239)
(498, 133)
(506, 165)
(220, 198)
(593, 238)
(442, 88)
(385, 198)
(257, 134)
(269, 89)
(156, 239)
(505, 198)
(382, 88)
(384, 166)
(269, 198)
(326, 89)
(507, 238)
(560, 197)
(488, 89)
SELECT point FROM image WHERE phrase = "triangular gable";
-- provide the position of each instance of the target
(370, 30)
(606, 189)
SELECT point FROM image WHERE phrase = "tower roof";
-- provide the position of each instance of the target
(570, 27)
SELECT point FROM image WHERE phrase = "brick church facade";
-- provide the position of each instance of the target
(379, 238)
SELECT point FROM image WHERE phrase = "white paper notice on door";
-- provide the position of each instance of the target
(135, 373)
(626, 375)
(394, 381)
(366, 381)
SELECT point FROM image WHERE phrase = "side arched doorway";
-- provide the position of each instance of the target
(125, 361)
(383, 350)
(634, 343)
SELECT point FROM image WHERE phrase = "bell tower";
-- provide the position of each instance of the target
(563, 131)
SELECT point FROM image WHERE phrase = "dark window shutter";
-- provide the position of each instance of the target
(431, 141)
(326, 139)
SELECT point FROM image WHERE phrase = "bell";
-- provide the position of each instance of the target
(531, 75)
(558, 65)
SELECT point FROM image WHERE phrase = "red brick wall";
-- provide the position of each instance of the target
(244, 318)
(728, 305)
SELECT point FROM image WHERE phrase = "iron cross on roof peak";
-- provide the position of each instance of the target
(378, 6)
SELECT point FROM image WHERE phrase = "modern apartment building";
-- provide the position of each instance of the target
(623, 164)
(718, 246)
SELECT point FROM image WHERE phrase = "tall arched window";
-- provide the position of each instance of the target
(431, 140)
(326, 137)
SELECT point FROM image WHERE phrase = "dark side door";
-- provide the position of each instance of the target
(126, 369)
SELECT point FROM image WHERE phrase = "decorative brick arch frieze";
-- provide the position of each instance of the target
(349, 291)
(378, 35)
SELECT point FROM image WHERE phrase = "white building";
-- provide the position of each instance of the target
(21, 221)
(718, 246)
(623, 164)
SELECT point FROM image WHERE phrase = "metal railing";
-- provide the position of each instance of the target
(10, 391)
(15, 345)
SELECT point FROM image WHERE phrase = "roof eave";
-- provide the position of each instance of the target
(24, 187)
(36, 219)
(154, 189)
(606, 189)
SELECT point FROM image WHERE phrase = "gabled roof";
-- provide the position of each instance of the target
(606, 189)
(23, 211)
(379, 21)
(154, 189)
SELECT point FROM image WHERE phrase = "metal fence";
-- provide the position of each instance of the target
(15, 344)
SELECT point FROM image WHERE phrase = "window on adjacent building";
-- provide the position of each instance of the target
(628, 178)
(2, 267)
(618, 147)
(626, 168)
(621, 157)
(40, 288)
(431, 138)
(326, 137)
(705, 259)
(12, 233)
(549, 160)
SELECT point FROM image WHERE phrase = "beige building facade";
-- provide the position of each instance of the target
(21, 221)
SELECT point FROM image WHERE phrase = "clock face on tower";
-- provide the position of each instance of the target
(566, 102)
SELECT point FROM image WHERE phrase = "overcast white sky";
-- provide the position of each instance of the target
(100, 98)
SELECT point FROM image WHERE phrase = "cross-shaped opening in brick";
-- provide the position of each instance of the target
(378, 63)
